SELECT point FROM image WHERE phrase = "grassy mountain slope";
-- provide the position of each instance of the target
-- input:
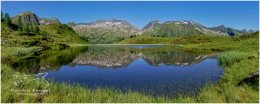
(101, 36)
(169, 29)
(61, 33)
(48, 36)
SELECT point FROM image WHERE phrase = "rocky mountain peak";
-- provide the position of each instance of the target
(183, 22)
(106, 29)
(107, 24)
(179, 22)
(26, 18)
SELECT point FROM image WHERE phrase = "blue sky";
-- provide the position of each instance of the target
(236, 14)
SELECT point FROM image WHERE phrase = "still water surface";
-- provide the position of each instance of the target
(155, 70)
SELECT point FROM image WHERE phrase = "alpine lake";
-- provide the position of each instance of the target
(157, 70)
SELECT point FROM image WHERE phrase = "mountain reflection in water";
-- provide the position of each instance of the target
(158, 70)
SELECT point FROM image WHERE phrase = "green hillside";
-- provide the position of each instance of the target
(147, 40)
(102, 36)
(28, 34)
(169, 29)
(204, 42)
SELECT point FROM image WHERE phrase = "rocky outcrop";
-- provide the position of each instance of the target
(29, 18)
(253, 79)
(26, 18)
(46, 21)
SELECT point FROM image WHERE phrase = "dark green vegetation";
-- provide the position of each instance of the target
(25, 30)
(28, 61)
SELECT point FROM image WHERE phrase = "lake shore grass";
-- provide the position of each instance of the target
(240, 59)
(230, 57)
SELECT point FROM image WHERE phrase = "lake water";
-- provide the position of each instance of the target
(158, 70)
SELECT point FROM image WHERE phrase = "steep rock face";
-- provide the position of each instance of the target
(26, 18)
(105, 31)
(29, 18)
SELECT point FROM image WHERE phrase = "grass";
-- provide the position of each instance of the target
(51, 36)
(240, 58)
(228, 89)
(12, 54)
(230, 57)
(146, 40)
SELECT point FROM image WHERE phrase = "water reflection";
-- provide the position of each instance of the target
(158, 70)
(118, 56)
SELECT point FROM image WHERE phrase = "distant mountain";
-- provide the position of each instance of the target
(46, 21)
(105, 31)
(113, 31)
(171, 29)
(184, 28)
(227, 30)
(109, 31)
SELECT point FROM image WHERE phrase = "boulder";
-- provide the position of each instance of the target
(253, 79)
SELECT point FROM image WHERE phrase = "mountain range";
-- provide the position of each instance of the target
(113, 30)
(110, 31)
(105, 31)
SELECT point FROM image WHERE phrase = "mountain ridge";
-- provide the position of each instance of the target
(197, 26)
(114, 30)
(105, 31)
